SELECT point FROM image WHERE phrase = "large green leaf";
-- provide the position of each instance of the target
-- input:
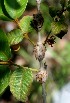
(4, 80)
(15, 8)
(20, 83)
(5, 52)
(15, 36)
(25, 24)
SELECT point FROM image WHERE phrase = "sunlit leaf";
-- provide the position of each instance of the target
(25, 24)
(15, 36)
(59, 29)
(20, 83)
(15, 8)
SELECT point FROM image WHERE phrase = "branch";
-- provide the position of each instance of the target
(27, 37)
(11, 63)
(44, 92)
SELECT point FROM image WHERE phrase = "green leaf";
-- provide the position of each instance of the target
(4, 80)
(4, 9)
(3, 57)
(47, 19)
(20, 83)
(53, 11)
(15, 36)
(59, 28)
(25, 24)
(5, 53)
(2, 16)
(15, 8)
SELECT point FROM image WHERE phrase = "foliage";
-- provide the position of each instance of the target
(20, 83)
(54, 24)
(4, 80)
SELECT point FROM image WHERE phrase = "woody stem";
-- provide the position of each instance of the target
(44, 92)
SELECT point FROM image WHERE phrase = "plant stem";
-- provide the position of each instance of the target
(11, 63)
(17, 22)
(34, 70)
(4, 63)
(8, 63)
(27, 37)
(44, 92)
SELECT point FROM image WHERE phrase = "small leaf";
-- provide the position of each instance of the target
(20, 83)
(15, 36)
(59, 29)
(4, 46)
(4, 80)
(15, 8)
(25, 24)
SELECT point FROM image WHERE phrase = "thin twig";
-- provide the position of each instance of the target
(8, 63)
(4, 63)
(17, 22)
(43, 87)
(38, 5)
(44, 92)
(11, 63)
(27, 37)
(34, 70)
(45, 42)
